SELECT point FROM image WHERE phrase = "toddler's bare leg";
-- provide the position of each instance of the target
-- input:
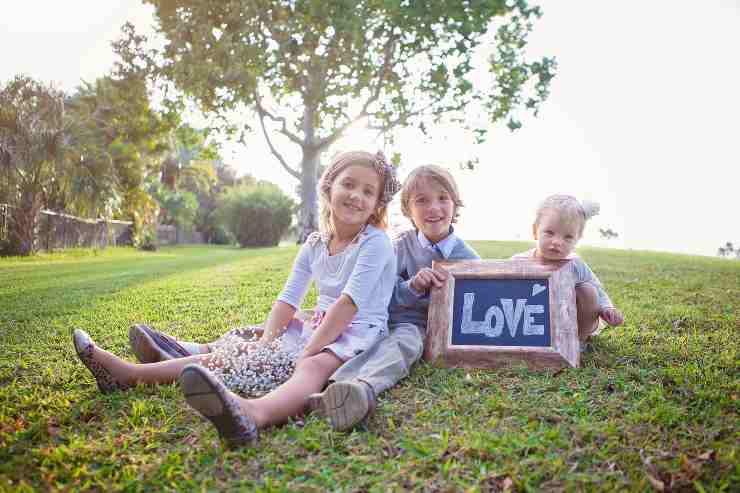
(588, 310)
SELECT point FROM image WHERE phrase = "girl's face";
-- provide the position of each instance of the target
(556, 236)
(432, 209)
(354, 196)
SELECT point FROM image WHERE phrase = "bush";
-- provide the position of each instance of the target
(147, 240)
(257, 215)
(125, 237)
(7, 248)
(221, 236)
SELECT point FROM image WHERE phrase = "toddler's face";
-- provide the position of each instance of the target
(354, 195)
(432, 209)
(556, 236)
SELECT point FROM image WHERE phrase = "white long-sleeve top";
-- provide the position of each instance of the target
(365, 271)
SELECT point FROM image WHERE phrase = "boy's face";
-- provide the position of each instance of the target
(556, 236)
(432, 209)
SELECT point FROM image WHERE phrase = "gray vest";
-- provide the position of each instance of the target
(411, 258)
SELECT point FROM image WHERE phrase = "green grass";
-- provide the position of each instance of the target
(656, 401)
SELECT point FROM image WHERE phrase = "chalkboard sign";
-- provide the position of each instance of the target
(493, 313)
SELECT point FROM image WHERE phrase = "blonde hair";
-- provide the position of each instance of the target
(430, 172)
(379, 218)
(570, 208)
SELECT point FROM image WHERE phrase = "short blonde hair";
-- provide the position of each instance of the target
(379, 218)
(570, 208)
(430, 172)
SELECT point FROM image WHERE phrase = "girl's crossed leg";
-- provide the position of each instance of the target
(237, 419)
(114, 373)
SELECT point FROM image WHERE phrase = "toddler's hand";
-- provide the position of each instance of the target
(612, 316)
(428, 278)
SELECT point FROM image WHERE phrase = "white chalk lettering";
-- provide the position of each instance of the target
(513, 317)
(530, 328)
(493, 312)
(468, 325)
(510, 314)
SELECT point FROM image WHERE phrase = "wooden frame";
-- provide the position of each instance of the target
(563, 347)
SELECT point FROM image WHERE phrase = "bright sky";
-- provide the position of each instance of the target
(643, 117)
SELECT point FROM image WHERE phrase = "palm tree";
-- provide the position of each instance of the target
(121, 140)
(33, 143)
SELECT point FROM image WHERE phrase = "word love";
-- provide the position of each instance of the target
(508, 315)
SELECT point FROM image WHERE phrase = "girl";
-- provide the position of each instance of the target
(353, 264)
(557, 228)
(430, 199)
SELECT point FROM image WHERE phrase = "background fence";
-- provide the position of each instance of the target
(3, 222)
(170, 235)
(58, 231)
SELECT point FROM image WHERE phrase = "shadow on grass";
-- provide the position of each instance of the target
(65, 288)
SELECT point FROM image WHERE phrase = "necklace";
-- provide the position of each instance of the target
(354, 238)
(334, 267)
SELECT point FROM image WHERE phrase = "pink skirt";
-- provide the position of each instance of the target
(355, 339)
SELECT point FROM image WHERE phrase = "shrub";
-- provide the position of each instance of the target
(257, 215)
(7, 248)
(125, 237)
(221, 236)
(147, 240)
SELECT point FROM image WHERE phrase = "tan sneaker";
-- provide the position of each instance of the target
(346, 404)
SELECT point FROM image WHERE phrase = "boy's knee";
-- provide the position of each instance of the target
(409, 340)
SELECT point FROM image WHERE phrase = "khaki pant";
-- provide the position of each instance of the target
(388, 361)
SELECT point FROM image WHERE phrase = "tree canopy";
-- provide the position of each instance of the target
(310, 69)
(104, 151)
(121, 140)
(33, 144)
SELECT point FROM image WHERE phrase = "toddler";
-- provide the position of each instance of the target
(557, 228)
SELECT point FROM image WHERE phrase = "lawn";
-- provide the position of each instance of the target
(655, 404)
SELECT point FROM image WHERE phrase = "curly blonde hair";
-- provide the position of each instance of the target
(430, 172)
(388, 186)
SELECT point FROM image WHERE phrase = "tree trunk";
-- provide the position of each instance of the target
(308, 216)
(25, 223)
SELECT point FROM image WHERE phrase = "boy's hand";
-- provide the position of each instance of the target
(428, 278)
(612, 316)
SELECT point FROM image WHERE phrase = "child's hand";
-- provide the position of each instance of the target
(612, 316)
(427, 278)
(249, 347)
